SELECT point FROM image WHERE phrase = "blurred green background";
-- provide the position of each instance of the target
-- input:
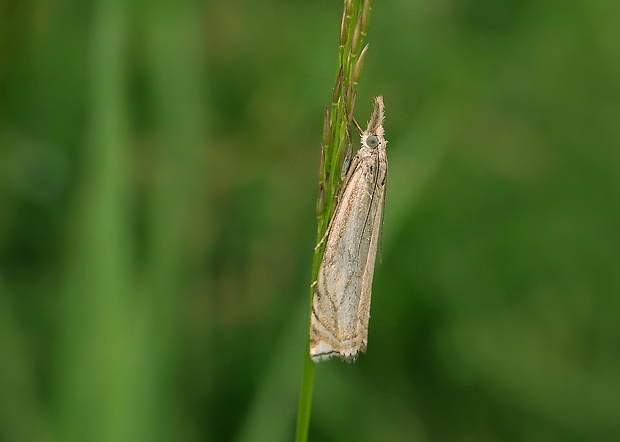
(158, 179)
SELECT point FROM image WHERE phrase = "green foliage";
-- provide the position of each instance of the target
(157, 220)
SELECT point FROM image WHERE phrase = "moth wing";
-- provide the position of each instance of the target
(328, 312)
(374, 234)
(341, 303)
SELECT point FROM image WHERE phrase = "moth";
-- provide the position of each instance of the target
(341, 301)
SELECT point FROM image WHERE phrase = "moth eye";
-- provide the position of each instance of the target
(372, 141)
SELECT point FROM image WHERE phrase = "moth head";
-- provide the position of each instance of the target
(375, 124)
(373, 135)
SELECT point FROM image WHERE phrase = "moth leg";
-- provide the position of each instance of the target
(321, 241)
(346, 162)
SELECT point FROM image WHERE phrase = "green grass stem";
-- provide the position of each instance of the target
(335, 149)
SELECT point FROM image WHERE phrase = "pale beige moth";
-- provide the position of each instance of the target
(341, 302)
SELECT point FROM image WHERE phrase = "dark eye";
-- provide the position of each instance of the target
(372, 141)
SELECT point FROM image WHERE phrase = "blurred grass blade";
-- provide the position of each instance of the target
(95, 386)
(175, 63)
(277, 394)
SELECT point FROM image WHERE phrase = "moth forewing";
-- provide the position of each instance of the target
(374, 232)
(342, 291)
